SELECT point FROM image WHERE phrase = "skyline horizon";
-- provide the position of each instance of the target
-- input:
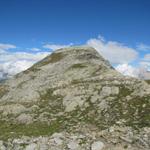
(118, 30)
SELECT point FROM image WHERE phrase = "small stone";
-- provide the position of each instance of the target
(58, 141)
(72, 145)
(98, 145)
(115, 90)
(111, 129)
(2, 147)
(32, 146)
(106, 91)
(94, 99)
(57, 135)
(126, 139)
(25, 119)
(71, 106)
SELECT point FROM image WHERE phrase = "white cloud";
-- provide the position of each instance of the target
(101, 38)
(147, 57)
(22, 56)
(5, 47)
(55, 46)
(146, 62)
(128, 70)
(145, 67)
(13, 63)
(35, 49)
(143, 47)
(11, 68)
(113, 51)
(144, 73)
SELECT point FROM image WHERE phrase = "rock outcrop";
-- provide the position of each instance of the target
(74, 99)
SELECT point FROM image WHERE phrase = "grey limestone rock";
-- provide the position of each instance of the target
(74, 99)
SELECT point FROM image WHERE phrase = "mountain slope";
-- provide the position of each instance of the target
(75, 90)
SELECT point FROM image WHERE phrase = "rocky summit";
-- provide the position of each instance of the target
(74, 100)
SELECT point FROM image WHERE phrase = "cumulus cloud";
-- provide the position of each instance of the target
(11, 68)
(113, 51)
(35, 49)
(56, 46)
(128, 70)
(13, 63)
(147, 57)
(121, 55)
(117, 53)
(22, 56)
(144, 73)
(143, 47)
(137, 72)
(146, 62)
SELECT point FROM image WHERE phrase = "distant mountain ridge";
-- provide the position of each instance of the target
(74, 92)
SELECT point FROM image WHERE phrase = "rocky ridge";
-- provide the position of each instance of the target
(74, 99)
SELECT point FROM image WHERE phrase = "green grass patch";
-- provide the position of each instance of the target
(78, 66)
(75, 81)
(10, 130)
(135, 111)
(124, 91)
(3, 90)
(48, 97)
(49, 103)
(148, 81)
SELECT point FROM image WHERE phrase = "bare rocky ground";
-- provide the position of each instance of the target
(74, 100)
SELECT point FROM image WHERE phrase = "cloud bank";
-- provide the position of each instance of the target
(120, 55)
(12, 63)
(127, 70)
(4, 47)
(113, 51)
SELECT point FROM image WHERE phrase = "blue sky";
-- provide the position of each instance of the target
(30, 24)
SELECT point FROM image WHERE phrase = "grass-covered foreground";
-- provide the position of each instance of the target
(9, 130)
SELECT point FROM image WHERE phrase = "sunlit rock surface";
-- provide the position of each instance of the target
(74, 99)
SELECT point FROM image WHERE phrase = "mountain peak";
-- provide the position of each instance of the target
(82, 47)
(72, 90)
(73, 55)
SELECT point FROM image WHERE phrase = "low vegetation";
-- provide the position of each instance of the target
(80, 65)
(51, 102)
(10, 130)
(3, 90)
(148, 81)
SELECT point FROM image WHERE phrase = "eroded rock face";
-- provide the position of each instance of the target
(72, 90)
